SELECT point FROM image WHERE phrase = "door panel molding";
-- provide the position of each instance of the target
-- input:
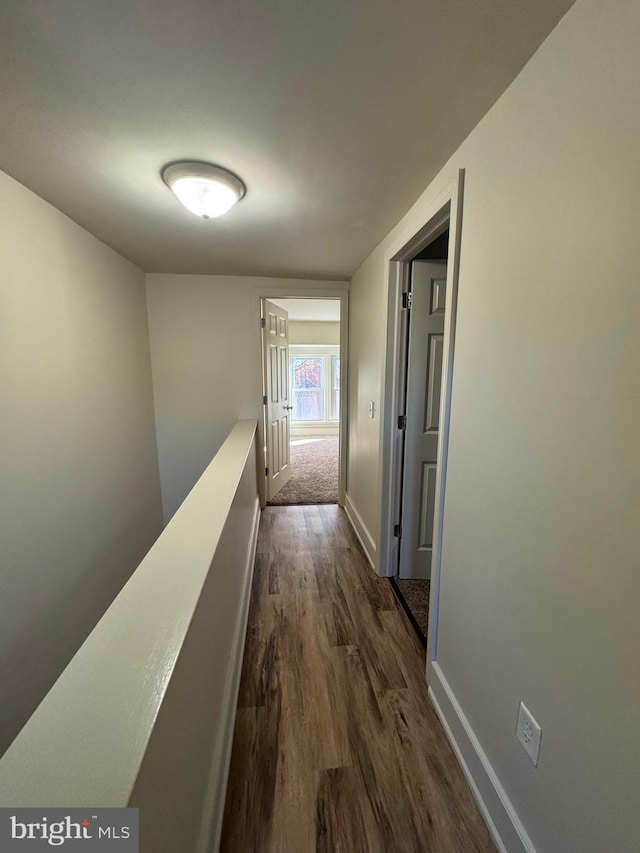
(434, 383)
(428, 494)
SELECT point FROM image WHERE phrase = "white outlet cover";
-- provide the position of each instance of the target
(529, 733)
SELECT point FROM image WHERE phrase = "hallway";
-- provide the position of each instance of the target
(337, 746)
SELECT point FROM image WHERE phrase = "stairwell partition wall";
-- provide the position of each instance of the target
(320, 290)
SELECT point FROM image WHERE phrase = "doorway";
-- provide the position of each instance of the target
(417, 243)
(425, 305)
(310, 390)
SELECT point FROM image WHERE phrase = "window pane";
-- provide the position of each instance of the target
(307, 372)
(308, 405)
(308, 388)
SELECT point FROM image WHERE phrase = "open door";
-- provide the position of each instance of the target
(424, 396)
(277, 398)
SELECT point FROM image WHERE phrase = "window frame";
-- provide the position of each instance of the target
(328, 353)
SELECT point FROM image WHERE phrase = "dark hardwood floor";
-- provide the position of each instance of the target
(337, 748)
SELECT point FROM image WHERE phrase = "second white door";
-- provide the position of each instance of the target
(424, 395)
(277, 397)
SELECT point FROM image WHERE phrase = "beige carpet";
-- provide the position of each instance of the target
(314, 472)
(414, 597)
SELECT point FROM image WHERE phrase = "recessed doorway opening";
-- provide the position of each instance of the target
(309, 374)
(427, 284)
(423, 269)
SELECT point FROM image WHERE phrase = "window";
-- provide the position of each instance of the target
(335, 395)
(315, 383)
(308, 388)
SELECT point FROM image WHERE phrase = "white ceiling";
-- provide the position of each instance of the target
(335, 113)
(317, 310)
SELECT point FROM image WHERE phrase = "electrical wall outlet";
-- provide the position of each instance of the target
(528, 733)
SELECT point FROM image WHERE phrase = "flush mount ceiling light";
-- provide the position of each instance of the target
(205, 190)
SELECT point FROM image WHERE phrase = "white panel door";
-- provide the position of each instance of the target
(275, 343)
(424, 394)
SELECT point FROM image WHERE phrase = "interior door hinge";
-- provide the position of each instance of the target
(397, 531)
(402, 421)
(407, 299)
(264, 400)
(266, 472)
(263, 322)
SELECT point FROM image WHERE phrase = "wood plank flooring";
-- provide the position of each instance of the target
(337, 748)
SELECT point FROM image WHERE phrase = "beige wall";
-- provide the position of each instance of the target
(540, 580)
(205, 351)
(80, 499)
(367, 337)
(308, 332)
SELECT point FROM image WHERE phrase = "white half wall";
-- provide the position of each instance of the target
(80, 498)
(540, 583)
(205, 352)
(144, 713)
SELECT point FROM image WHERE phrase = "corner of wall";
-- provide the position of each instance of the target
(364, 536)
(499, 814)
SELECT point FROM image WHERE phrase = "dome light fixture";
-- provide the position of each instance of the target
(204, 189)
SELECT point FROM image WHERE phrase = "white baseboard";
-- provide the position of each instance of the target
(360, 529)
(214, 809)
(502, 821)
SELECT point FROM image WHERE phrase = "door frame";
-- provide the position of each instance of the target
(443, 211)
(304, 290)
